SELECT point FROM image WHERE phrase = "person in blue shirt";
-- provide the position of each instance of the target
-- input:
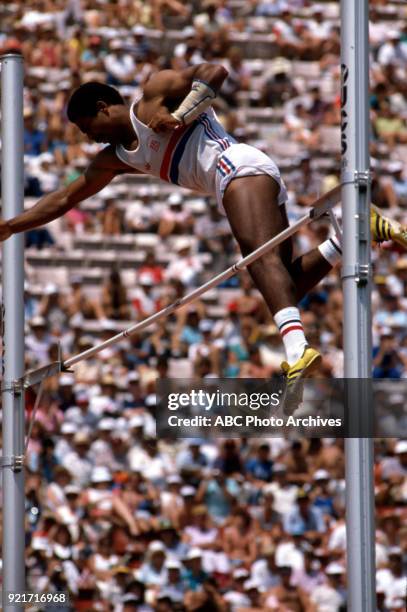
(219, 494)
(192, 461)
(387, 362)
(194, 576)
(323, 498)
(261, 466)
(229, 461)
(304, 517)
(34, 139)
(190, 333)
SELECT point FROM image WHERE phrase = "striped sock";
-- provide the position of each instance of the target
(290, 327)
(331, 250)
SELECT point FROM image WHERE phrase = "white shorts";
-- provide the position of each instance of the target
(243, 160)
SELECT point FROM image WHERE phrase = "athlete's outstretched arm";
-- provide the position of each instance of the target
(100, 172)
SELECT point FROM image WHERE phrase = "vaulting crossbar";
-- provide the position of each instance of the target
(320, 207)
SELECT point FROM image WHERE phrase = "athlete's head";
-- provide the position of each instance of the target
(93, 108)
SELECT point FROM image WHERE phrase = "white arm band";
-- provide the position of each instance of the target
(198, 100)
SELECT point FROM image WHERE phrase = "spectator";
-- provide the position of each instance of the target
(386, 360)
(392, 580)
(77, 461)
(331, 594)
(286, 594)
(114, 297)
(154, 571)
(266, 517)
(238, 78)
(194, 575)
(311, 575)
(239, 540)
(34, 138)
(143, 300)
(192, 460)
(152, 267)
(219, 494)
(39, 238)
(79, 303)
(304, 517)
(53, 309)
(188, 52)
(213, 230)
(175, 220)
(260, 467)
(186, 267)
(38, 340)
(119, 64)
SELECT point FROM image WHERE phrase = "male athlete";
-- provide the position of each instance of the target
(172, 132)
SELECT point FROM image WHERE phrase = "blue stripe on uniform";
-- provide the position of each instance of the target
(228, 162)
(178, 153)
(211, 132)
(221, 170)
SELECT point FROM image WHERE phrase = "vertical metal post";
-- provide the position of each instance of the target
(12, 182)
(357, 300)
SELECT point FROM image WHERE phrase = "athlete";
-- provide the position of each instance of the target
(172, 132)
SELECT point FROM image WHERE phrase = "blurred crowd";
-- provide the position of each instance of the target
(119, 518)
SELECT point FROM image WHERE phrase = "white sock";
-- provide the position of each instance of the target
(331, 250)
(290, 327)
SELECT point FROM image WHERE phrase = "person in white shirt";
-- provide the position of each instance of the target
(101, 449)
(185, 266)
(235, 596)
(319, 26)
(329, 597)
(55, 491)
(78, 461)
(153, 572)
(143, 297)
(48, 179)
(119, 65)
(39, 340)
(264, 571)
(392, 579)
(65, 441)
(187, 52)
(153, 465)
(391, 51)
(175, 219)
(396, 465)
(285, 494)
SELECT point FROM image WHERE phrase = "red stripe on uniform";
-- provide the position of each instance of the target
(224, 166)
(165, 164)
(292, 328)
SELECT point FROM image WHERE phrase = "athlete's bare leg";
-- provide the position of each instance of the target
(307, 270)
(251, 204)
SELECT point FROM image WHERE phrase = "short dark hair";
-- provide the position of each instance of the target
(83, 101)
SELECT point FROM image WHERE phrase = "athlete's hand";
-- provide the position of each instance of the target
(163, 121)
(5, 231)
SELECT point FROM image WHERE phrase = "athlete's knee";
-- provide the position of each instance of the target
(276, 256)
(248, 244)
(268, 262)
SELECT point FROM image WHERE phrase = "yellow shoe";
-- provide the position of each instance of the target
(295, 375)
(384, 229)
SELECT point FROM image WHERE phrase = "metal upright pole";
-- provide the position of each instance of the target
(356, 274)
(12, 181)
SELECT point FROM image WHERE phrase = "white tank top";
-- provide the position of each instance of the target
(186, 156)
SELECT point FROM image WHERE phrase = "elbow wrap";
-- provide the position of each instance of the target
(197, 101)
